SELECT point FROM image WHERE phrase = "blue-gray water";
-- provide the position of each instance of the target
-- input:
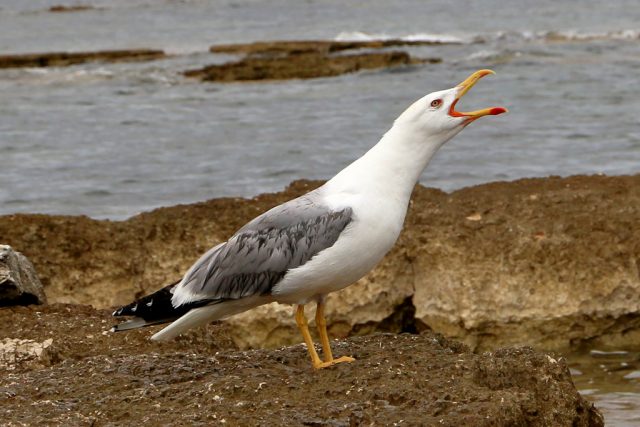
(111, 140)
(114, 140)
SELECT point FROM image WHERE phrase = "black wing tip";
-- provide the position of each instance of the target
(126, 310)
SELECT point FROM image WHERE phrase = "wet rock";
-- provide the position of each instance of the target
(74, 8)
(300, 66)
(296, 47)
(549, 262)
(19, 283)
(125, 379)
(63, 59)
(304, 59)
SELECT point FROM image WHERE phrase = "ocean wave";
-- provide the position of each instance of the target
(73, 75)
(186, 49)
(493, 56)
(572, 35)
(551, 36)
(53, 75)
(416, 37)
(565, 35)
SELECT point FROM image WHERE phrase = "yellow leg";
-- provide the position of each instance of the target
(301, 320)
(321, 324)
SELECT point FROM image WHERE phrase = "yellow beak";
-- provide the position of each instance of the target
(463, 88)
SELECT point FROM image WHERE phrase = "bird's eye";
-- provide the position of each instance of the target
(436, 103)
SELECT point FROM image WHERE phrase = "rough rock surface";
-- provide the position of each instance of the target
(123, 379)
(73, 8)
(63, 59)
(19, 283)
(300, 66)
(294, 47)
(17, 353)
(550, 262)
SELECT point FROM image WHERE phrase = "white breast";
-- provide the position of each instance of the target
(373, 231)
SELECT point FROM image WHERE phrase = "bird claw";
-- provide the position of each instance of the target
(332, 362)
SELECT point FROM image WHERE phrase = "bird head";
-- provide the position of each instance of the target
(435, 115)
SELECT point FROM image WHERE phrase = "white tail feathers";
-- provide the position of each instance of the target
(203, 315)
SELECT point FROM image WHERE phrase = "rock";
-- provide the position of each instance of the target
(75, 8)
(300, 66)
(296, 47)
(550, 262)
(63, 59)
(19, 283)
(124, 379)
(16, 353)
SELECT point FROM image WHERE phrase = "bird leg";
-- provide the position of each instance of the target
(321, 324)
(301, 320)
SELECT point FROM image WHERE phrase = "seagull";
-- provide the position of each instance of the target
(321, 242)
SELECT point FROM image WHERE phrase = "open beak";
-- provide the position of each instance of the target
(464, 88)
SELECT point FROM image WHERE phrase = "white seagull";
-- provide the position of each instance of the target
(321, 242)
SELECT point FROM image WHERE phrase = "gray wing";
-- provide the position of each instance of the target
(258, 256)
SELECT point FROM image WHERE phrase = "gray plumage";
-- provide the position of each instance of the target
(258, 256)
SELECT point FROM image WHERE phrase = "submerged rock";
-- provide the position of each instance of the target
(63, 59)
(300, 66)
(124, 379)
(73, 8)
(304, 59)
(19, 283)
(295, 47)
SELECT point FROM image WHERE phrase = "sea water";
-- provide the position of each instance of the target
(112, 140)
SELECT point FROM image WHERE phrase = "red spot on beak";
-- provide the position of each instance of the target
(497, 110)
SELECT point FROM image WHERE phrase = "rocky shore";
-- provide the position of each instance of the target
(548, 262)
(66, 370)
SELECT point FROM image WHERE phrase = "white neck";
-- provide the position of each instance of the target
(392, 167)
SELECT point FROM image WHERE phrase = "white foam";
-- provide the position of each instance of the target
(186, 49)
(435, 38)
(358, 36)
(422, 37)
(567, 35)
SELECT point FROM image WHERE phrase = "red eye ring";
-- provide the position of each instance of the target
(436, 103)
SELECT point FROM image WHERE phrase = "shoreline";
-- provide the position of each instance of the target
(548, 262)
